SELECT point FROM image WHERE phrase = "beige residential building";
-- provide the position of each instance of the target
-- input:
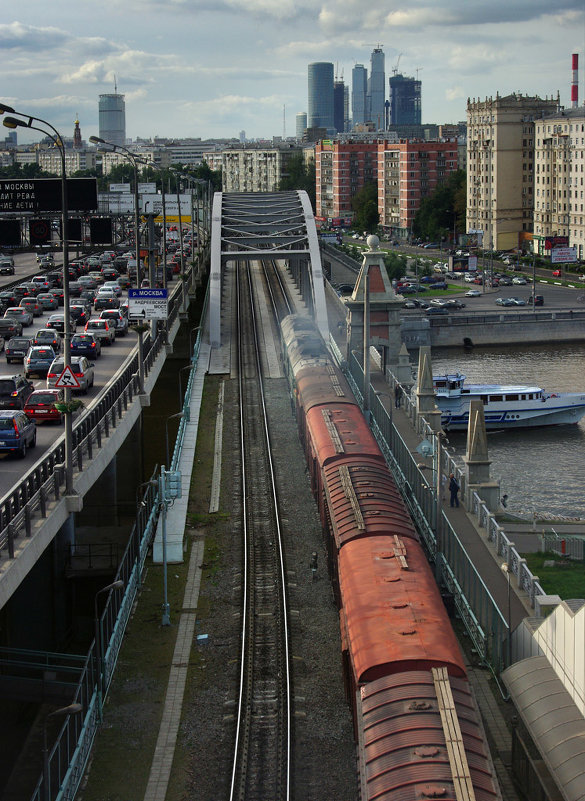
(500, 167)
(49, 160)
(559, 157)
(157, 156)
(251, 169)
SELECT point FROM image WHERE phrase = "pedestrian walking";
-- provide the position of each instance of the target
(397, 395)
(453, 489)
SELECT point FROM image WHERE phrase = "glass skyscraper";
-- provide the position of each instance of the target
(359, 91)
(320, 97)
(377, 89)
(112, 119)
(405, 101)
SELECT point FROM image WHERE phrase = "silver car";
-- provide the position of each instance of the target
(82, 369)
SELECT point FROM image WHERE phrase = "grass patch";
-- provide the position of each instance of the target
(566, 578)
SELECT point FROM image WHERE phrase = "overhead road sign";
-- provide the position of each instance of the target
(67, 380)
(148, 304)
(44, 194)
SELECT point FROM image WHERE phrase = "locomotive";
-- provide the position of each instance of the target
(417, 727)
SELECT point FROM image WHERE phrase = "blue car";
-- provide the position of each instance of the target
(86, 345)
(17, 432)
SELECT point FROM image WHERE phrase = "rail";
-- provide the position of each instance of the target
(45, 481)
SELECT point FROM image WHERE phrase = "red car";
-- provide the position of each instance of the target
(556, 274)
(41, 405)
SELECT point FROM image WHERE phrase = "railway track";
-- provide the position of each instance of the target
(262, 750)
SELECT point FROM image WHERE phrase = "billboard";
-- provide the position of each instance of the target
(551, 242)
(44, 194)
(100, 230)
(10, 233)
(563, 255)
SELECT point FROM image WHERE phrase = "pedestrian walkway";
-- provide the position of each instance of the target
(162, 762)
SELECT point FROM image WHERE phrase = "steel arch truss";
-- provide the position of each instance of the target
(278, 225)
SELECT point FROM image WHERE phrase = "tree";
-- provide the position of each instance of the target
(365, 207)
(299, 175)
(443, 211)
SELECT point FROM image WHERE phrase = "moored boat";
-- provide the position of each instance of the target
(506, 406)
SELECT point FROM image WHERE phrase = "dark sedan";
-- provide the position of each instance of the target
(38, 360)
(86, 345)
(17, 348)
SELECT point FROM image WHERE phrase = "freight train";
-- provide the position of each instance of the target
(417, 727)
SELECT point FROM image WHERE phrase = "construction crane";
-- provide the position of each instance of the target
(395, 68)
(376, 46)
(418, 69)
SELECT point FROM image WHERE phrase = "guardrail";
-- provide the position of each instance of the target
(45, 481)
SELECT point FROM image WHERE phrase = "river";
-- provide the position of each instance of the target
(541, 470)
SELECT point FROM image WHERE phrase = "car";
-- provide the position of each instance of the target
(86, 344)
(82, 370)
(537, 300)
(57, 292)
(431, 246)
(46, 262)
(57, 323)
(124, 282)
(114, 286)
(518, 301)
(581, 278)
(505, 281)
(18, 432)
(105, 302)
(14, 391)
(473, 293)
(88, 281)
(102, 330)
(109, 274)
(22, 316)
(556, 274)
(32, 305)
(10, 328)
(75, 289)
(79, 312)
(47, 301)
(439, 302)
(519, 280)
(432, 310)
(118, 320)
(41, 408)
(49, 338)
(40, 281)
(469, 278)
(17, 348)
(505, 302)
(8, 298)
(453, 303)
(38, 360)
(6, 266)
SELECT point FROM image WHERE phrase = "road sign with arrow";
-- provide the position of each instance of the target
(148, 304)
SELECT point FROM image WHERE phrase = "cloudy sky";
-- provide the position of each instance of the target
(211, 68)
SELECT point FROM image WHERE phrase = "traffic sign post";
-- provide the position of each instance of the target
(148, 304)
(67, 380)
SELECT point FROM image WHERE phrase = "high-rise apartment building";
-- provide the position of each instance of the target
(559, 179)
(409, 171)
(342, 169)
(377, 89)
(112, 118)
(256, 169)
(405, 100)
(359, 95)
(320, 96)
(500, 167)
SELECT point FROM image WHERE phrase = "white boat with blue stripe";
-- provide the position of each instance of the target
(505, 406)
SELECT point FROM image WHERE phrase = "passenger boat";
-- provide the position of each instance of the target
(505, 406)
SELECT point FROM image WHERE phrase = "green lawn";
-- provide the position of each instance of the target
(566, 578)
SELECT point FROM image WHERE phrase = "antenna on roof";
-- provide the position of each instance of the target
(115, 85)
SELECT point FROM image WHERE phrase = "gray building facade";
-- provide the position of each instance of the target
(320, 96)
(112, 118)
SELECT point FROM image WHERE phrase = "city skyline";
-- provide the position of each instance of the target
(189, 69)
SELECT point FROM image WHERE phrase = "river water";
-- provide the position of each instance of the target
(541, 470)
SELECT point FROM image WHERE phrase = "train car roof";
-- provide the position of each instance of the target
(406, 750)
(363, 500)
(340, 430)
(393, 616)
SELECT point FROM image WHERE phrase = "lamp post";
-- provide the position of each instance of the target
(170, 417)
(72, 709)
(133, 159)
(506, 570)
(189, 367)
(115, 585)
(192, 331)
(55, 136)
(367, 343)
(150, 165)
(179, 175)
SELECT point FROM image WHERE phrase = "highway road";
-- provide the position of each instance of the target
(13, 468)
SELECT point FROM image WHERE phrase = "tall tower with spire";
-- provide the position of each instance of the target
(77, 136)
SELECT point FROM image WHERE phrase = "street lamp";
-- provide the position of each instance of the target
(152, 166)
(170, 417)
(115, 585)
(192, 331)
(72, 709)
(133, 159)
(179, 175)
(506, 569)
(189, 367)
(55, 136)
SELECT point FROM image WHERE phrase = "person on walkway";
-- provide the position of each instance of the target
(397, 395)
(453, 489)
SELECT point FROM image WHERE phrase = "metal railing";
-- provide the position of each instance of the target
(45, 481)
(67, 763)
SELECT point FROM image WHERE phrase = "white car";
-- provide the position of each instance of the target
(469, 278)
(519, 280)
(102, 330)
(113, 285)
(473, 293)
